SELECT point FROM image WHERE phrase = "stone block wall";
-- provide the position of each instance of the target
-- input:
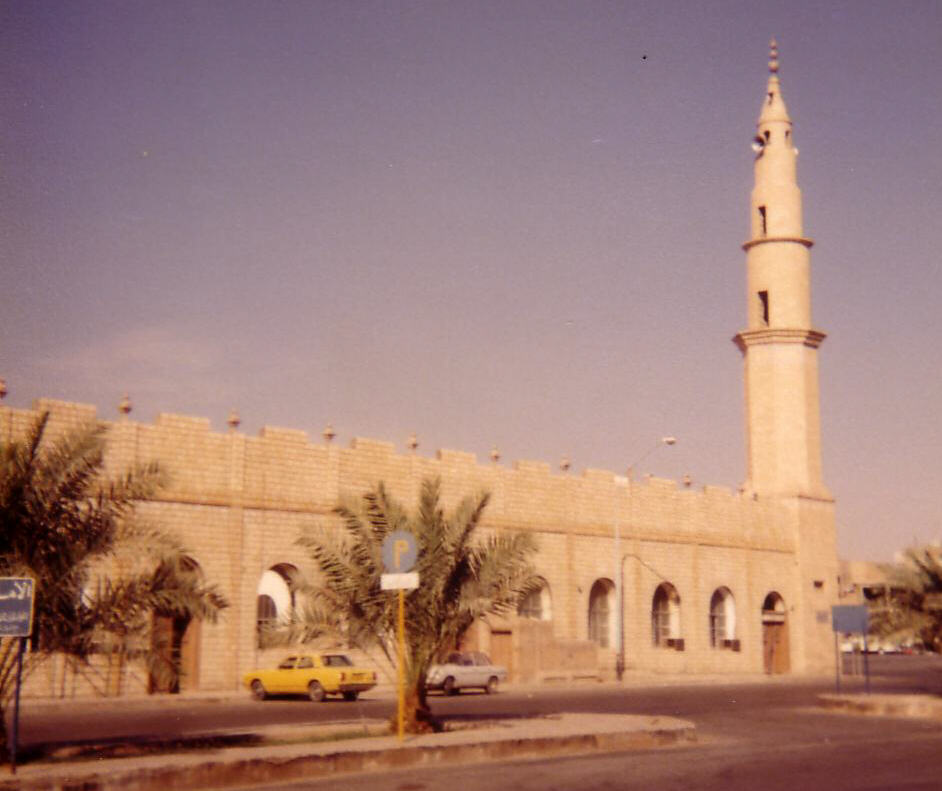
(239, 503)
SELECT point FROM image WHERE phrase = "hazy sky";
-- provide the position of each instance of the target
(510, 223)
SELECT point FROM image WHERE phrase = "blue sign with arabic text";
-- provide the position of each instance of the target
(16, 606)
(849, 619)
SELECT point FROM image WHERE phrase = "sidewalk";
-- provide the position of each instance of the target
(352, 749)
(886, 705)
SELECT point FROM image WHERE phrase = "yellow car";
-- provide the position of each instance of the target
(314, 675)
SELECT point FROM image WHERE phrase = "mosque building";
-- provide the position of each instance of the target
(639, 577)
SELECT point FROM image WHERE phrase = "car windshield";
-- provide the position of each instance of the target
(337, 660)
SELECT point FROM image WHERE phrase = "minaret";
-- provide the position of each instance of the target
(779, 346)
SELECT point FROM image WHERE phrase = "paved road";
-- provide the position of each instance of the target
(810, 752)
(752, 736)
(66, 723)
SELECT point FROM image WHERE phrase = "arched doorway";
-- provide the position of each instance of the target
(174, 663)
(775, 650)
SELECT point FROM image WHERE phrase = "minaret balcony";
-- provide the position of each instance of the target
(764, 239)
(780, 335)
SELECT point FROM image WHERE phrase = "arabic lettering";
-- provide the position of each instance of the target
(21, 589)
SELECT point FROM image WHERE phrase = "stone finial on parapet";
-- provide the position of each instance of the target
(687, 480)
(565, 464)
(328, 433)
(233, 420)
(3, 389)
(125, 406)
(413, 442)
(495, 455)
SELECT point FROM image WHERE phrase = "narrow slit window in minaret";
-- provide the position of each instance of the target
(764, 304)
(762, 219)
(788, 134)
(771, 96)
(767, 135)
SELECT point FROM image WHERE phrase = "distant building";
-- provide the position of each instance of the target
(710, 581)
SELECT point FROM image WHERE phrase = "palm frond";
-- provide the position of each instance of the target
(462, 578)
(61, 518)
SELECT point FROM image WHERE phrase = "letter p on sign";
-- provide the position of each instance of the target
(399, 552)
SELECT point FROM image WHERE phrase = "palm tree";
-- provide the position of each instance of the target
(461, 578)
(910, 608)
(99, 574)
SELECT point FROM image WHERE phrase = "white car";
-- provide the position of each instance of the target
(463, 669)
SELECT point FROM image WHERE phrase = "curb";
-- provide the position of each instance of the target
(567, 734)
(883, 705)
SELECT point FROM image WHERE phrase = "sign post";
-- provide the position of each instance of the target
(399, 556)
(850, 619)
(16, 620)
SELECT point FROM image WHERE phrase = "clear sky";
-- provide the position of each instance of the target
(512, 223)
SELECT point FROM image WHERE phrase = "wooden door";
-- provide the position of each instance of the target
(775, 647)
(176, 642)
(189, 631)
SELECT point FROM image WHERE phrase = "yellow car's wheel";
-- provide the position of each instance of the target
(316, 692)
(258, 690)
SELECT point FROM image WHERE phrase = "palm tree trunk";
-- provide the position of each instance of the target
(418, 716)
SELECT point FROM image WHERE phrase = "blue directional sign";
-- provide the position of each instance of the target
(849, 619)
(16, 606)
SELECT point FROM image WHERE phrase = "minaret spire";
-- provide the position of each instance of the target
(780, 344)
(773, 107)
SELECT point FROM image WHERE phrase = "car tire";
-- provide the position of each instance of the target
(351, 696)
(491, 687)
(258, 690)
(448, 686)
(316, 692)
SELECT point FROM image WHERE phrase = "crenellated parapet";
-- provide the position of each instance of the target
(282, 470)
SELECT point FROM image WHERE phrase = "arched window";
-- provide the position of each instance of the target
(537, 604)
(723, 620)
(275, 599)
(665, 617)
(601, 612)
(266, 613)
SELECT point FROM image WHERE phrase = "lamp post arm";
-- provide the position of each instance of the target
(650, 568)
(620, 603)
(620, 559)
(662, 441)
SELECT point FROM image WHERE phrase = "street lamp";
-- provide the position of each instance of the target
(619, 582)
